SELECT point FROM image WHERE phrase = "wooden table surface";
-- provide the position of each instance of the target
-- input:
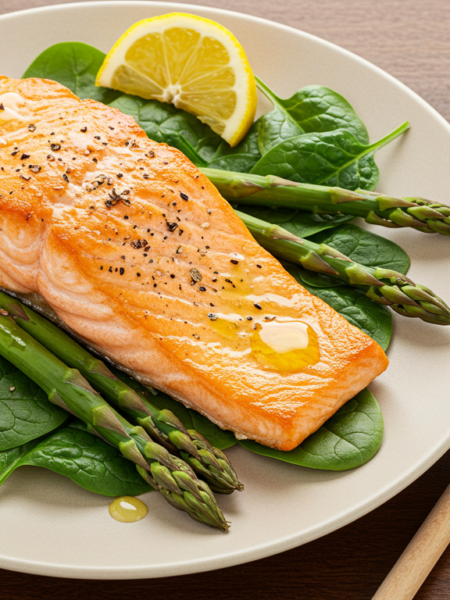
(411, 41)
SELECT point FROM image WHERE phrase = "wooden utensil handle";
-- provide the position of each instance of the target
(420, 556)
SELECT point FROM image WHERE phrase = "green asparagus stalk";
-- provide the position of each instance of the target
(384, 286)
(68, 389)
(377, 209)
(163, 426)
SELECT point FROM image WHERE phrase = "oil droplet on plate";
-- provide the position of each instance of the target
(127, 509)
(288, 346)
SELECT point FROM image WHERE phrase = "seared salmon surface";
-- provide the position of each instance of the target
(139, 255)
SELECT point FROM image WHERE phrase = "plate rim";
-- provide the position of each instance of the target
(345, 517)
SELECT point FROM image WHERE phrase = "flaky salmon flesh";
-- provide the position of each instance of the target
(138, 254)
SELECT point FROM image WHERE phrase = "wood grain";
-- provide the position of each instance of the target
(411, 41)
(420, 556)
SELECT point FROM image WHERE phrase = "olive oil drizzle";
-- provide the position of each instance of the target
(127, 509)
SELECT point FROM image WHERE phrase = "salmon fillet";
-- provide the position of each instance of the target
(138, 254)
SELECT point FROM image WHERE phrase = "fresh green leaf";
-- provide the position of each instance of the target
(11, 459)
(242, 158)
(317, 280)
(25, 412)
(334, 158)
(300, 223)
(350, 438)
(359, 310)
(165, 123)
(86, 459)
(365, 247)
(314, 108)
(216, 437)
(74, 65)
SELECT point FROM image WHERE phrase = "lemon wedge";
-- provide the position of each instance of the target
(191, 62)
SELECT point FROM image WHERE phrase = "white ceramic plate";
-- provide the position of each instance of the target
(51, 527)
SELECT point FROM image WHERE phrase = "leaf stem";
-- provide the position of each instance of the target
(391, 136)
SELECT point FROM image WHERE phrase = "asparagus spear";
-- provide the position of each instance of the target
(68, 389)
(381, 285)
(378, 209)
(162, 425)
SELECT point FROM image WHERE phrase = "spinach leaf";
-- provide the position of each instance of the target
(334, 158)
(242, 158)
(359, 310)
(191, 419)
(298, 222)
(74, 65)
(165, 123)
(25, 412)
(314, 108)
(365, 247)
(317, 280)
(11, 459)
(84, 458)
(350, 438)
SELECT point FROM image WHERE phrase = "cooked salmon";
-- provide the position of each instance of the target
(138, 254)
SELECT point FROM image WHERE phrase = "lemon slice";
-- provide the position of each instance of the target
(191, 62)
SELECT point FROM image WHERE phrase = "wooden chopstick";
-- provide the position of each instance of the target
(420, 556)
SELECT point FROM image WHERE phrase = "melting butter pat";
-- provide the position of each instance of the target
(9, 106)
(287, 346)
